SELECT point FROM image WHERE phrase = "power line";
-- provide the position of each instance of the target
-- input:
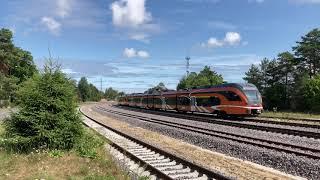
(100, 81)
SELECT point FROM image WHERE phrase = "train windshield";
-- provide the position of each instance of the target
(253, 96)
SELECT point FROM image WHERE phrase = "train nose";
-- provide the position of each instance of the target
(255, 111)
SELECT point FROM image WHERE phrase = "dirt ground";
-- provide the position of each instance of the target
(231, 166)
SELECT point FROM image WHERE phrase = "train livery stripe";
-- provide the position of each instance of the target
(245, 107)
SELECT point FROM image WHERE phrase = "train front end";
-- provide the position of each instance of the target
(253, 98)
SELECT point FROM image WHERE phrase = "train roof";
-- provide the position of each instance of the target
(240, 86)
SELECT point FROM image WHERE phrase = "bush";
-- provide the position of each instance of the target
(48, 116)
(311, 93)
(88, 144)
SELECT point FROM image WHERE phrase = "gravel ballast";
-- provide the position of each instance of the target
(289, 163)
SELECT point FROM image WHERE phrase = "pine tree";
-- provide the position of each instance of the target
(48, 115)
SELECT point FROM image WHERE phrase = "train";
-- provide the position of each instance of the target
(229, 99)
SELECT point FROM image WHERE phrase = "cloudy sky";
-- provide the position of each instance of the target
(132, 45)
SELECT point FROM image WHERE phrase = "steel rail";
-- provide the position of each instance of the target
(309, 134)
(210, 117)
(210, 173)
(225, 135)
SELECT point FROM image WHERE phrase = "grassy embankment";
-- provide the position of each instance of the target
(88, 160)
(288, 115)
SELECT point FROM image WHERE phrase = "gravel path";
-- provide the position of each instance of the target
(290, 163)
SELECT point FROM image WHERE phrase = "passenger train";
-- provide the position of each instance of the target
(229, 99)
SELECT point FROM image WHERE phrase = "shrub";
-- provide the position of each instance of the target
(311, 93)
(88, 144)
(48, 116)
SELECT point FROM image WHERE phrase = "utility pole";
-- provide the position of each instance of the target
(101, 84)
(101, 81)
(188, 64)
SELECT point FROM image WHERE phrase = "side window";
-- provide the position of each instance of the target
(214, 101)
(183, 101)
(157, 101)
(202, 101)
(170, 100)
(231, 96)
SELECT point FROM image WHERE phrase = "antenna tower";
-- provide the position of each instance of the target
(188, 64)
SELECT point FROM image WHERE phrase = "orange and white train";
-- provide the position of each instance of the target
(232, 99)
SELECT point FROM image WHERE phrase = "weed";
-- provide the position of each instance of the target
(56, 153)
(88, 144)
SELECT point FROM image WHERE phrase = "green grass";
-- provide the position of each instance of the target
(289, 115)
(88, 160)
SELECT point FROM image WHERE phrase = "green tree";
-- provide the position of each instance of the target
(308, 52)
(8, 87)
(254, 76)
(156, 89)
(48, 116)
(94, 93)
(84, 89)
(19, 61)
(111, 94)
(267, 77)
(311, 94)
(206, 77)
(6, 45)
(286, 62)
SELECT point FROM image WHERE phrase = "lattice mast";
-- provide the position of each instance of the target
(188, 65)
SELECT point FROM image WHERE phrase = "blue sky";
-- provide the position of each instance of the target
(134, 44)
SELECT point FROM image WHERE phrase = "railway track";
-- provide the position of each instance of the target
(263, 126)
(160, 164)
(278, 146)
(208, 118)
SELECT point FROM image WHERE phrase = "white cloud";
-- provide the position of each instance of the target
(68, 71)
(130, 13)
(140, 37)
(132, 18)
(143, 54)
(131, 52)
(256, 1)
(63, 8)
(231, 39)
(213, 42)
(80, 14)
(306, 1)
(51, 24)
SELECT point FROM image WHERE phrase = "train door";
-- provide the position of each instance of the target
(193, 103)
(163, 102)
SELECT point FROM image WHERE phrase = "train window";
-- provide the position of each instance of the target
(157, 101)
(184, 101)
(212, 101)
(171, 100)
(231, 96)
(202, 101)
(145, 100)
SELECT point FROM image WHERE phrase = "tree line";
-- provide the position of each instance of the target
(16, 66)
(88, 92)
(291, 81)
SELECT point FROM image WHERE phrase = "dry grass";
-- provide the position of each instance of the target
(68, 165)
(288, 115)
